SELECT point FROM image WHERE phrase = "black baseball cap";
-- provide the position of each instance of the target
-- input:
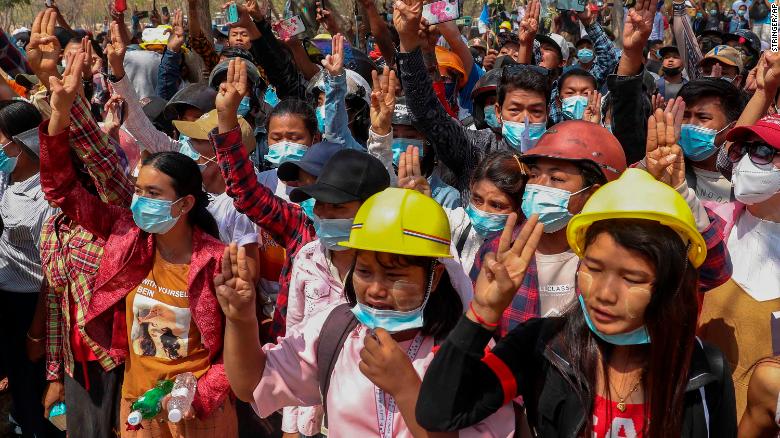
(668, 49)
(312, 162)
(349, 175)
(199, 96)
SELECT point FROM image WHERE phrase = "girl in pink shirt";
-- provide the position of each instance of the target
(402, 302)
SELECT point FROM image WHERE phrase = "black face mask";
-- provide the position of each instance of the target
(672, 71)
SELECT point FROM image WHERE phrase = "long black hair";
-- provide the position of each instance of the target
(17, 116)
(444, 307)
(505, 171)
(187, 180)
(670, 318)
(295, 107)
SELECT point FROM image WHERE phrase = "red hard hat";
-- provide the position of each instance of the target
(577, 140)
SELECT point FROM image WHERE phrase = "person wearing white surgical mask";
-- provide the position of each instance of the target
(738, 316)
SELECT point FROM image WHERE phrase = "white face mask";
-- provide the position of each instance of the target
(753, 183)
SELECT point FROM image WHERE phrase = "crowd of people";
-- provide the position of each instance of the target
(419, 231)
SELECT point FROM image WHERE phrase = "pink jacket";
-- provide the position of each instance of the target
(127, 260)
(312, 288)
(290, 379)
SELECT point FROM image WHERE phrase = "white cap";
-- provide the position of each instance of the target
(174, 415)
(134, 419)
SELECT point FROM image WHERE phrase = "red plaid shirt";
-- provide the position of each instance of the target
(715, 271)
(284, 221)
(71, 255)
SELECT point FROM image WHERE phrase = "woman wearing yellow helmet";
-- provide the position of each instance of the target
(367, 357)
(623, 360)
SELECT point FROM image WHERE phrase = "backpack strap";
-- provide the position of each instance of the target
(464, 236)
(338, 325)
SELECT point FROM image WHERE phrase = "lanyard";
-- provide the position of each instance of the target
(385, 404)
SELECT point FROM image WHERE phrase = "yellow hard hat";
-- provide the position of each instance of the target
(505, 25)
(637, 195)
(401, 221)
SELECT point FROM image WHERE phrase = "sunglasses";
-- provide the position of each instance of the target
(760, 153)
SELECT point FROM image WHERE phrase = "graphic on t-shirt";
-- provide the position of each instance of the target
(159, 330)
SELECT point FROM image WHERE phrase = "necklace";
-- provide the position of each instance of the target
(622, 400)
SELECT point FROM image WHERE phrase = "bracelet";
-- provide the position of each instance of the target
(34, 339)
(479, 318)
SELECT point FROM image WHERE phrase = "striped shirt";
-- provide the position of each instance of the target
(24, 210)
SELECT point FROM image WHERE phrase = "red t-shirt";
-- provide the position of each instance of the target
(610, 422)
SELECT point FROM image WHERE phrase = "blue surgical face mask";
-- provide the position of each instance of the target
(153, 215)
(522, 136)
(742, 12)
(585, 55)
(393, 321)
(399, 146)
(243, 107)
(187, 149)
(308, 208)
(490, 117)
(7, 164)
(635, 337)
(320, 113)
(333, 231)
(271, 97)
(574, 107)
(219, 47)
(484, 223)
(283, 151)
(698, 142)
(551, 204)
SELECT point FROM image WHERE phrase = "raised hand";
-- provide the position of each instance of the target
(257, 9)
(639, 24)
(383, 101)
(657, 101)
(503, 271)
(770, 80)
(409, 174)
(63, 91)
(43, 50)
(386, 365)
(490, 59)
(529, 25)
(334, 63)
(429, 35)
(664, 157)
(112, 121)
(326, 19)
(586, 16)
(406, 19)
(234, 285)
(176, 32)
(677, 108)
(593, 110)
(231, 91)
(115, 51)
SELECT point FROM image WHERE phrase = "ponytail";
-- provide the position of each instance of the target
(187, 180)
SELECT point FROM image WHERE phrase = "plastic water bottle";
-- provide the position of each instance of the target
(149, 405)
(181, 396)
